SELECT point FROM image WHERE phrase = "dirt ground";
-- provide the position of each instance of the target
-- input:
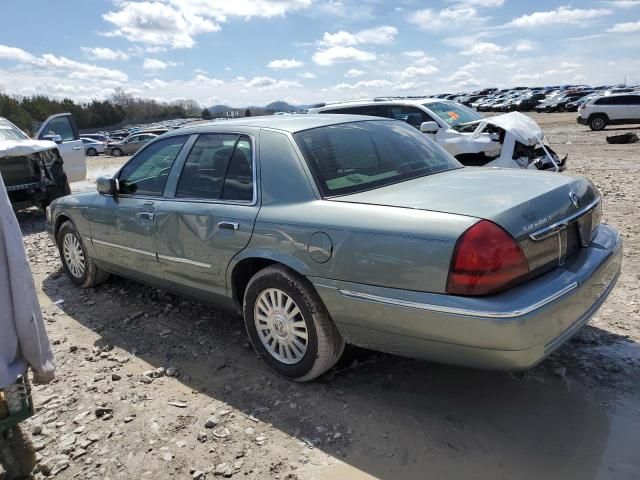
(153, 386)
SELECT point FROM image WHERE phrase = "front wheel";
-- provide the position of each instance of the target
(116, 152)
(92, 152)
(78, 266)
(288, 325)
(17, 454)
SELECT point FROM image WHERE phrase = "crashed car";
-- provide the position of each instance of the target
(512, 140)
(32, 170)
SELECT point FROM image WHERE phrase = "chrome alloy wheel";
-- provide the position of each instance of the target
(73, 255)
(280, 325)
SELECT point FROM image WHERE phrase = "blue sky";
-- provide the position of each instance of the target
(250, 52)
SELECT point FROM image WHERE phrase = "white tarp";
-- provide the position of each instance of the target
(23, 338)
(15, 148)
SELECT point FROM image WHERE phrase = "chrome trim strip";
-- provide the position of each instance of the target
(122, 247)
(184, 260)
(461, 311)
(551, 229)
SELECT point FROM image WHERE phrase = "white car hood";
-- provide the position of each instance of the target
(15, 148)
(523, 128)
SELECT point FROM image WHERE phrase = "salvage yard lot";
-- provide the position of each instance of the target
(179, 390)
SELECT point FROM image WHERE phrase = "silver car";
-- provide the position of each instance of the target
(327, 229)
(129, 145)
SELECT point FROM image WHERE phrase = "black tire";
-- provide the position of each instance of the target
(116, 152)
(92, 152)
(324, 344)
(17, 454)
(598, 122)
(88, 276)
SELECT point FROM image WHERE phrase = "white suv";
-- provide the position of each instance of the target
(615, 109)
(512, 140)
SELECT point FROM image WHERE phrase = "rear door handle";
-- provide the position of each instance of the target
(146, 215)
(228, 225)
(77, 148)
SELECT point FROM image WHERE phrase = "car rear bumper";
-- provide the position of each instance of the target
(512, 330)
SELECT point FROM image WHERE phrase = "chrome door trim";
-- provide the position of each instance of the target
(461, 311)
(184, 260)
(122, 247)
(554, 228)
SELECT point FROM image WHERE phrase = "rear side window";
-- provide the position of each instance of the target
(634, 100)
(219, 166)
(147, 171)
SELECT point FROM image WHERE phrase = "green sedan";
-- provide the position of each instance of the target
(323, 230)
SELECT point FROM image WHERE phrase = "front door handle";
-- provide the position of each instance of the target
(228, 225)
(146, 215)
(77, 148)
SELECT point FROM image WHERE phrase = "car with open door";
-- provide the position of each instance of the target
(32, 170)
(61, 128)
(323, 230)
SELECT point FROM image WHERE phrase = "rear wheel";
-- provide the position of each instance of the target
(288, 325)
(17, 455)
(598, 122)
(78, 266)
(116, 152)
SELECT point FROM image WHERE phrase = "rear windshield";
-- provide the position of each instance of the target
(357, 156)
(454, 113)
(8, 131)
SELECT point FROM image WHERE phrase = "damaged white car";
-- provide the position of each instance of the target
(512, 140)
(36, 172)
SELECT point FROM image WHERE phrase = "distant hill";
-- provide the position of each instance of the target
(277, 106)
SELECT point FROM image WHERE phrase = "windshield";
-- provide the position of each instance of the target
(8, 131)
(454, 113)
(357, 156)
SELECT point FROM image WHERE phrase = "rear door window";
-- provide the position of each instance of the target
(238, 183)
(204, 171)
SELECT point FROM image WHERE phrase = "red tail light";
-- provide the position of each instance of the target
(486, 259)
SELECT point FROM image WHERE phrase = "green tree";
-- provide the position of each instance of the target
(247, 113)
(206, 114)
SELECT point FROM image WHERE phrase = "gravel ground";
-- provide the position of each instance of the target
(153, 386)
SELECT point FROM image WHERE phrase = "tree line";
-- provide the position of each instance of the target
(121, 107)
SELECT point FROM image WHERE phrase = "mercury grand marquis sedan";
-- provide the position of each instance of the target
(325, 229)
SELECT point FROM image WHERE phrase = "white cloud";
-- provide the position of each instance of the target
(284, 64)
(307, 75)
(416, 72)
(155, 64)
(559, 16)
(627, 27)
(445, 19)
(524, 46)
(99, 53)
(17, 54)
(363, 84)
(268, 83)
(485, 3)
(377, 36)
(337, 54)
(624, 3)
(176, 23)
(414, 53)
(354, 73)
(201, 79)
(482, 48)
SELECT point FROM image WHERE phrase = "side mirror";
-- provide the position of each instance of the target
(107, 186)
(429, 127)
(53, 138)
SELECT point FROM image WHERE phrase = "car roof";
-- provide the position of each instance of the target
(381, 101)
(286, 123)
